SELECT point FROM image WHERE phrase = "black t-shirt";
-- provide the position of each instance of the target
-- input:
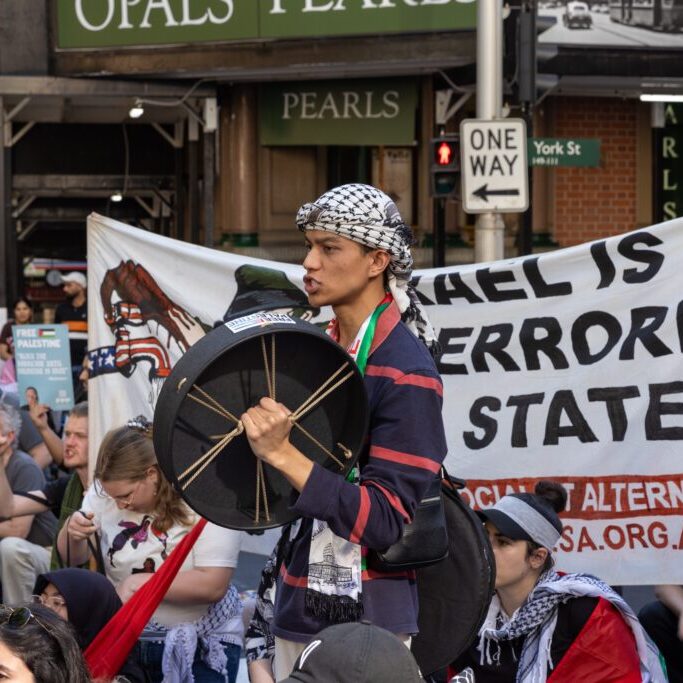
(571, 618)
(76, 319)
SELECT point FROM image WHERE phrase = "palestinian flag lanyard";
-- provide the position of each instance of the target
(335, 564)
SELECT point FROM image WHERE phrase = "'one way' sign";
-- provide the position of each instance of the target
(494, 170)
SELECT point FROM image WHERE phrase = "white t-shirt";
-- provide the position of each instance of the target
(130, 545)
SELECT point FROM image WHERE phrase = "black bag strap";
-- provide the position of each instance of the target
(454, 483)
(33, 497)
(94, 547)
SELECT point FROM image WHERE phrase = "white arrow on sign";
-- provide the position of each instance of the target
(494, 166)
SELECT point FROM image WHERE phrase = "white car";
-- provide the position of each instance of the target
(577, 14)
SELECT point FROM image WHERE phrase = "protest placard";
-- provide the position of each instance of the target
(43, 361)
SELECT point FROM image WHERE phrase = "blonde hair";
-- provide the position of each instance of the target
(127, 453)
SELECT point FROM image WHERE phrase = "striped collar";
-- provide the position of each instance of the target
(385, 325)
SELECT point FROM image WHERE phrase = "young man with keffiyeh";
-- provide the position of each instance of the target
(358, 262)
(543, 625)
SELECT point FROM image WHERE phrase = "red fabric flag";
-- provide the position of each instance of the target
(108, 651)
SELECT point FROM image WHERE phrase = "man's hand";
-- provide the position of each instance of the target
(81, 525)
(267, 426)
(129, 586)
(38, 414)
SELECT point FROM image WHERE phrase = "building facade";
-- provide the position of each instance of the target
(247, 108)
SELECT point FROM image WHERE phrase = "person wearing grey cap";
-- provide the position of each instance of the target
(545, 625)
(74, 314)
(355, 653)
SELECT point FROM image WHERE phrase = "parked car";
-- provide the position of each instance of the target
(576, 14)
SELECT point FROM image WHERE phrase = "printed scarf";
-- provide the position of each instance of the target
(364, 214)
(537, 617)
(180, 644)
(334, 588)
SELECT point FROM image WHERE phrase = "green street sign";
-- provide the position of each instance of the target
(356, 112)
(667, 151)
(122, 23)
(559, 152)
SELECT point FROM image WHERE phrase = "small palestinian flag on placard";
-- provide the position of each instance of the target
(47, 333)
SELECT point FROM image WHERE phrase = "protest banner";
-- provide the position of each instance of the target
(42, 360)
(563, 366)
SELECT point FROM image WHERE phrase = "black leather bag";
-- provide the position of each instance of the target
(454, 594)
(424, 541)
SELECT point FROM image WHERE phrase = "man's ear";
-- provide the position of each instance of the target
(380, 261)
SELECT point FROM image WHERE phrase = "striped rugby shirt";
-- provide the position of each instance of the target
(405, 449)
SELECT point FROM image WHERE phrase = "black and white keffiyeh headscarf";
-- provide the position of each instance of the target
(537, 617)
(364, 214)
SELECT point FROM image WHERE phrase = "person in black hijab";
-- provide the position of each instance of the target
(87, 600)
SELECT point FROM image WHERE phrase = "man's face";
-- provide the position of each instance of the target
(338, 270)
(72, 290)
(6, 439)
(76, 442)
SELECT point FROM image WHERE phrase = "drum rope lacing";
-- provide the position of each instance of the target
(197, 467)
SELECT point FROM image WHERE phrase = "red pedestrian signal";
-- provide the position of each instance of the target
(445, 168)
(444, 154)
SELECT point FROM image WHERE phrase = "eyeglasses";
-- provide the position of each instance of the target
(18, 617)
(54, 602)
(125, 501)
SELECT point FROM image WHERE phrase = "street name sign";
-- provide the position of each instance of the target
(564, 152)
(494, 166)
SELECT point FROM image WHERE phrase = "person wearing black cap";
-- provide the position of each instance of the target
(355, 653)
(545, 625)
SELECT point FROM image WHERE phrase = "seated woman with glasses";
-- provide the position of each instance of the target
(140, 519)
(36, 646)
(87, 600)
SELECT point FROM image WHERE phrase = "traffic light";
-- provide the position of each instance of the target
(445, 166)
(531, 82)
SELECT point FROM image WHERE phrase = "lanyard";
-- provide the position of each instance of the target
(368, 335)
(361, 345)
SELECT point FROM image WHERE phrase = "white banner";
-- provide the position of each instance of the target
(564, 366)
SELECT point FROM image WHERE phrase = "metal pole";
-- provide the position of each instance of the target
(526, 59)
(209, 179)
(193, 179)
(489, 228)
(439, 241)
(5, 225)
(9, 256)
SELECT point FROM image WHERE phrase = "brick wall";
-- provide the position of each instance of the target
(596, 202)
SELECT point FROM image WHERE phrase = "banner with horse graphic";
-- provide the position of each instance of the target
(564, 366)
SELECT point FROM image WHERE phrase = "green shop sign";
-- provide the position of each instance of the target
(668, 160)
(563, 152)
(119, 23)
(359, 112)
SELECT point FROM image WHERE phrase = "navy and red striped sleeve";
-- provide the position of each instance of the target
(407, 446)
